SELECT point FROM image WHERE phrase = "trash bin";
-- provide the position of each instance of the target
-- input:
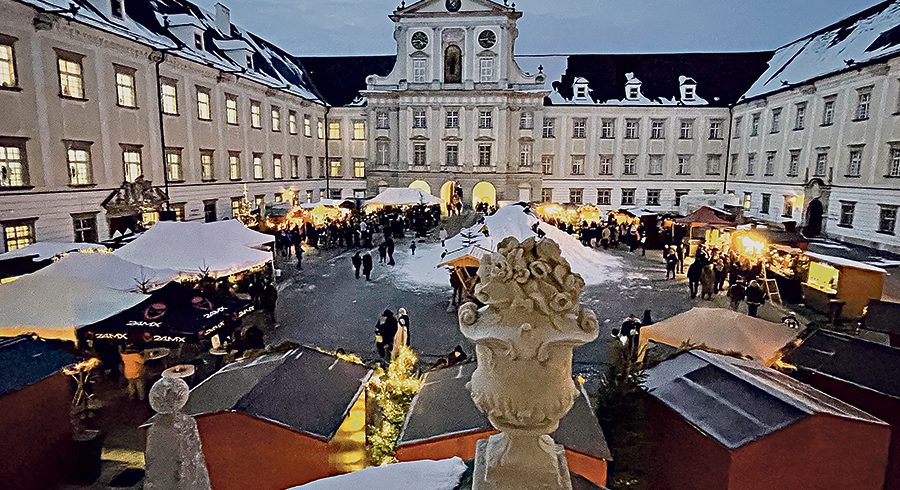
(88, 446)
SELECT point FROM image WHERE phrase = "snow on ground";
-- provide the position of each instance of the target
(443, 474)
(419, 272)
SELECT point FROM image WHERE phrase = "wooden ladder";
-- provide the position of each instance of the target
(771, 287)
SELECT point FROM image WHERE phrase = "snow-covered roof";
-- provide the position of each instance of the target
(48, 250)
(841, 261)
(109, 271)
(401, 196)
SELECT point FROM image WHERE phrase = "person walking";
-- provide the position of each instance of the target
(401, 338)
(693, 275)
(412, 247)
(357, 263)
(736, 294)
(443, 236)
(298, 250)
(671, 263)
(631, 330)
(367, 265)
(382, 252)
(133, 361)
(755, 297)
(679, 252)
(390, 250)
(707, 282)
(385, 331)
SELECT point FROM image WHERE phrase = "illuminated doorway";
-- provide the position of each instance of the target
(420, 184)
(484, 192)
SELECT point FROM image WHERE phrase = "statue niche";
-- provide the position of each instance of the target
(452, 64)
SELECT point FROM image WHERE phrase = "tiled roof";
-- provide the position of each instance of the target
(25, 360)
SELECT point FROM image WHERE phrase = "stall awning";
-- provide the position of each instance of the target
(333, 203)
(842, 262)
(110, 271)
(706, 216)
(465, 257)
(403, 196)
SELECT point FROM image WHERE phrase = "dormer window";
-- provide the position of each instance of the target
(198, 40)
(116, 8)
(581, 92)
(632, 87)
(689, 93)
(688, 88)
(249, 62)
(633, 93)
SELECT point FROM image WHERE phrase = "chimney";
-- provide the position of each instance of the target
(223, 19)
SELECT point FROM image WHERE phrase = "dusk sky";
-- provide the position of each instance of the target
(362, 27)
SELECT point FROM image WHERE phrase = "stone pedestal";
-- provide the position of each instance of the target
(552, 473)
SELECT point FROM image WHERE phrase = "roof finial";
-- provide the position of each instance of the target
(540, 68)
(403, 4)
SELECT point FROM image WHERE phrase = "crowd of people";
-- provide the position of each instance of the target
(711, 269)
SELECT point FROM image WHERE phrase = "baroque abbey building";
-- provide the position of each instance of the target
(115, 89)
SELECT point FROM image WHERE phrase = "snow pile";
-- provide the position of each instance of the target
(419, 272)
(412, 475)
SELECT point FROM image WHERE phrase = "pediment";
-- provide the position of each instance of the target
(430, 8)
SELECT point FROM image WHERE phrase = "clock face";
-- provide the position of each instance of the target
(487, 39)
(453, 5)
(419, 40)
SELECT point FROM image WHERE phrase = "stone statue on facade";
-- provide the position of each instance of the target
(524, 338)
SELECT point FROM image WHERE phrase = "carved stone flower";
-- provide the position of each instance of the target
(562, 302)
(548, 250)
(540, 269)
(501, 269)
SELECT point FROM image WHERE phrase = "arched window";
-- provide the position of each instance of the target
(452, 64)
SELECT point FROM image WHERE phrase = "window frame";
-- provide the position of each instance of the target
(359, 168)
(863, 104)
(177, 176)
(526, 120)
(578, 164)
(255, 114)
(651, 199)
(235, 172)
(604, 193)
(10, 64)
(28, 238)
(203, 105)
(79, 228)
(684, 165)
(547, 165)
(607, 128)
(843, 214)
(632, 129)
(232, 117)
(359, 130)
(769, 169)
(715, 129)
(451, 154)
(292, 122)
(127, 166)
(277, 166)
(687, 129)
(382, 120)
(335, 168)
(65, 77)
(19, 144)
(579, 127)
(658, 129)
(629, 164)
(548, 127)
(334, 130)
(854, 168)
(256, 164)
(485, 155)
(420, 118)
(207, 169)
(275, 116)
(828, 106)
(655, 164)
(129, 89)
(420, 154)
(525, 152)
(485, 119)
(892, 209)
(628, 196)
(168, 102)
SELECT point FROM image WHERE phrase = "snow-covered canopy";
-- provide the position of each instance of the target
(324, 202)
(443, 474)
(192, 248)
(48, 250)
(54, 306)
(109, 271)
(844, 262)
(400, 196)
(234, 230)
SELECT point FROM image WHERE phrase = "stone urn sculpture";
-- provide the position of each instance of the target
(524, 338)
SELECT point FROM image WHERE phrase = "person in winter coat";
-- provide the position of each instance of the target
(382, 252)
(389, 243)
(736, 294)
(693, 275)
(443, 236)
(412, 247)
(679, 252)
(755, 297)
(357, 263)
(671, 263)
(385, 331)
(367, 265)
(401, 338)
(707, 282)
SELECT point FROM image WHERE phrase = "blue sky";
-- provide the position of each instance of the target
(362, 27)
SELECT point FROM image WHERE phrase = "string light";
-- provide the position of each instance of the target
(393, 391)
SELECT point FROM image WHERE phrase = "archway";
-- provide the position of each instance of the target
(484, 192)
(449, 196)
(814, 213)
(452, 64)
(420, 184)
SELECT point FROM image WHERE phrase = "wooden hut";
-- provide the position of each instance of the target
(884, 317)
(444, 422)
(836, 284)
(720, 423)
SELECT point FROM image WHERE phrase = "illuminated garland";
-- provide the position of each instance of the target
(393, 392)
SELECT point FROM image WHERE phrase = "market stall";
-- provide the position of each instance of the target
(789, 267)
(707, 224)
(401, 196)
(464, 263)
(841, 287)
(111, 271)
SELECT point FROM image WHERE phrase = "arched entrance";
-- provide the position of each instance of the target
(451, 193)
(484, 192)
(420, 184)
(452, 64)
(382, 185)
(814, 213)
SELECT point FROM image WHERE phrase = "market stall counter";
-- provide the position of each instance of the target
(841, 287)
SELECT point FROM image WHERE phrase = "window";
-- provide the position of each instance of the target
(854, 162)
(452, 155)
(255, 115)
(604, 197)
(335, 168)
(276, 119)
(309, 196)
(13, 166)
(713, 164)
(736, 133)
(770, 163)
(84, 227)
(116, 8)
(419, 70)
(234, 165)
(71, 83)
(581, 92)
(381, 153)
(484, 120)
(320, 129)
(209, 211)
(419, 154)
(608, 128)
(632, 129)
(125, 95)
(131, 159)
(381, 120)
(173, 164)
(577, 164)
(292, 122)
(734, 164)
(309, 168)
(484, 154)
(547, 164)
(627, 197)
(679, 193)
(630, 165)
(776, 120)
(277, 171)
(546, 195)
(765, 204)
(656, 165)
(549, 124)
(862, 105)
(307, 126)
(257, 166)
(526, 120)
(231, 111)
(452, 118)
(684, 165)
(206, 165)
(235, 206)
(525, 154)
(7, 64)
(894, 163)
(334, 130)
(486, 68)
(748, 200)
(18, 234)
(575, 196)
(888, 220)
(198, 39)
(419, 119)
(821, 163)
(359, 130)
(751, 163)
(754, 125)
(169, 96)
(295, 167)
(203, 111)
(847, 210)
(788, 211)
(687, 129)
(605, 165)
(652, 197)
(578, 127)
(715, 129)
(794, 163)
(359, 169)
(800, 116)
(633, 93)
(828, 111)
(657, 129)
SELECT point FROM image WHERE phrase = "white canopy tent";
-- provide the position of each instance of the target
(233, 229)
(48, 250)
(334, 203)
(401, 196)
(110, 271)
(55, 306)
(193, 248)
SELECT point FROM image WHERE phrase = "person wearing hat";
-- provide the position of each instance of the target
(385, 331)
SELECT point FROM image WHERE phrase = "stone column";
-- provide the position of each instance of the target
(524, 338)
